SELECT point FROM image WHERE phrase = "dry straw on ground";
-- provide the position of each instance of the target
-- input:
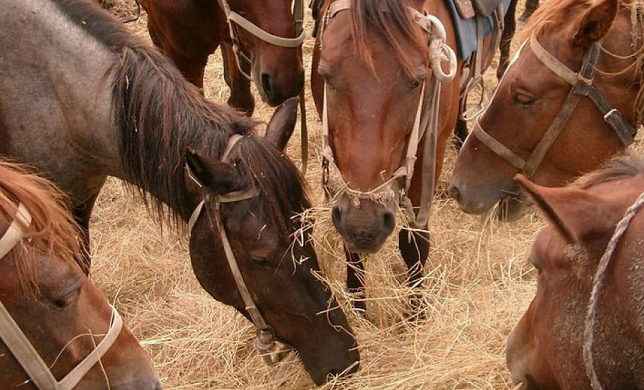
(477, 285)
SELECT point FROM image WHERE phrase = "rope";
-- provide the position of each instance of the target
(597, 283)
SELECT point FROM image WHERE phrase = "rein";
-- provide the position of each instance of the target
(19, 344)
(265, 341)
(235, 19)
(598, 279)
(425, 121)
(582, 85)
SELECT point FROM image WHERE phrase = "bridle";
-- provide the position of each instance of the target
(234, 19)
(19, 345)
(598, 279)
(425, 121)
(582, 85)
(265, 341)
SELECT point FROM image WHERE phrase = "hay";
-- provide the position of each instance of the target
(477, 285)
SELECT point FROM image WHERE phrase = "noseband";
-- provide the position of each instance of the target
(235, 19)
(19, 345)
(265, 341)
(582, 85)
(425, 121)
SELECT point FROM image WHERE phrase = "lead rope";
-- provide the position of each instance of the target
(598, 279)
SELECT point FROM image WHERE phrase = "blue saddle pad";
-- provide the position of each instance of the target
(466, 30)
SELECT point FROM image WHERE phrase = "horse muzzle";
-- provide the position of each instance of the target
(365, 225)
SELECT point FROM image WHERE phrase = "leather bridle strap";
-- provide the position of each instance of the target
(20, 346)
(265, 341)
(582, 85)
(425, 123)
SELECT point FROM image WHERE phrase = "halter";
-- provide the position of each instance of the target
(582, 85)
(265, 341)
(19, 345)
(235, 19)
(426, 119)
(598, 279)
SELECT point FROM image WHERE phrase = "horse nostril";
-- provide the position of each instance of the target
(388, 220)
(455, 193)
(266, 82)
(336, 215)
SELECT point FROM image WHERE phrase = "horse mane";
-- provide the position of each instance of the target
(393, 22)
(52, 231)
(159, 114)
(618, 168)
(554, 13)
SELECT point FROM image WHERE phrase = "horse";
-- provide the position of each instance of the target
(377, 90)
(54, 322)
(583, 331)
(509, 28)
(260, 41)
(571, 100)
(97, 101)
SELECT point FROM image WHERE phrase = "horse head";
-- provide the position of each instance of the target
(565, 104)
(269, 249)
(54, 320)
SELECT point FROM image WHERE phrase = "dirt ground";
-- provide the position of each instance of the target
(478, 283)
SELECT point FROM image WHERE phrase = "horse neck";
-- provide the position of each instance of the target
(158, 116)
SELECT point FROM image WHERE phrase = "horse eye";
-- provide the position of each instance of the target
(264, 262)
(65, 301)
(413, 84)
(524, 99)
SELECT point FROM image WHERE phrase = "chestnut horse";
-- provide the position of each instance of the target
(260, 41)
(581, 329)
(54, 323)
(570, 101)
(380, 79)
(97, 101)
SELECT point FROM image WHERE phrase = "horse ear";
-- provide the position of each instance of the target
(574, 212)
(219, 177)
(596, 23)
(282, 123)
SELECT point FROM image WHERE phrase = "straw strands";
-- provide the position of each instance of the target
(477, 285)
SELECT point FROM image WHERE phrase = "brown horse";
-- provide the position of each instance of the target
(260, 40)
(97, 101)
(377, 91)
(570, 101)
(560, 343)
(52, 318)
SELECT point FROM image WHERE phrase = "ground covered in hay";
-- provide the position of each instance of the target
(478, 284)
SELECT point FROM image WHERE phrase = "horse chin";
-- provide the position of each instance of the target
(510, 209)
(364, 247)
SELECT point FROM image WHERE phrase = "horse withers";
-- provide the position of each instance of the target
(586, 322)
(98, 101)
(570, 100)
(260, 41)
(54, 323)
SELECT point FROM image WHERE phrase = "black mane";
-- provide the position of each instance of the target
(160, 114)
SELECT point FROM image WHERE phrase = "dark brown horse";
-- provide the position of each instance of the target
(509, 28)
(96, 101)
(570, 101)
(54, 323)
(260, 40)
(581, 328)
(379, 81)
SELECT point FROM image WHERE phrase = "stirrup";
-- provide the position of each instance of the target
(469, 113)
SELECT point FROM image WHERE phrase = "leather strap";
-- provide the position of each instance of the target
(36, 368)
(15, 232)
